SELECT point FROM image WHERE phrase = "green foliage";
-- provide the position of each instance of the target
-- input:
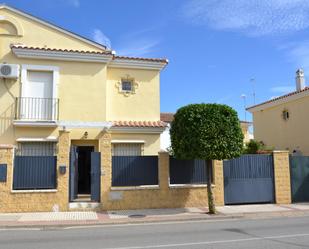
(252, 147)
(255, 147)
(206, 131)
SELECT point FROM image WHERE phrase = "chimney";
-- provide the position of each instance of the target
(300, 80)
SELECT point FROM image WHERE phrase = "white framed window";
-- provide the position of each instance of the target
(36, 148)
(127, 149)
(38, 72)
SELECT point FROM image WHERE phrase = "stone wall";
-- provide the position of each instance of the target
(162, 196)
(39, 200)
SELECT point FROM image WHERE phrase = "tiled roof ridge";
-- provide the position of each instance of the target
(163, 60)
(278, 98)
(108, 52)
(60, 49)
(131, 123)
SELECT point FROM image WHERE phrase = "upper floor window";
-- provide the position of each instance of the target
(126, 85)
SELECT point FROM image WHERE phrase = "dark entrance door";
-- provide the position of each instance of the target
(249, 179)
(84, 169)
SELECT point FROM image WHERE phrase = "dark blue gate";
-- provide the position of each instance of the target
(134, 170)
(73, 173)
(249, 179)
(95, 176)
(187, 171)
(34, 172)
(299, 167)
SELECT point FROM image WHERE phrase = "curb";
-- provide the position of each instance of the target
(124, 221)
(131, 221)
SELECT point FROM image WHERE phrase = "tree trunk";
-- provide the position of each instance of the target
(211, 204)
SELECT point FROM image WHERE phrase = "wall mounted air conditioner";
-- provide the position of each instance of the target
(10, 71)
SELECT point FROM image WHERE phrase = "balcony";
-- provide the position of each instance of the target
(39, 111)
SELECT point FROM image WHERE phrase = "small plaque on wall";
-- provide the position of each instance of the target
(3, 172)
(115, 195)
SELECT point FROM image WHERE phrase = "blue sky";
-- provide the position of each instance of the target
(214, 46)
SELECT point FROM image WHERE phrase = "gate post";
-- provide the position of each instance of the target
(164, 160)
(218, 182)
(105, 147)
(63, 159)
(282, 177)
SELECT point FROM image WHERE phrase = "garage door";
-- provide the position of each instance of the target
(249, 179)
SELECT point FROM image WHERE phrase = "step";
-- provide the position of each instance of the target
(84, 205)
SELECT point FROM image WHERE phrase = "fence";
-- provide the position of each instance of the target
(134, 170)
(187, 171)
(34, 172)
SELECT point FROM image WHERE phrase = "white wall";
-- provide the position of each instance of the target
(165, 139)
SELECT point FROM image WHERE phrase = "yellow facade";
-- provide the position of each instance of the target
(85, 80)
(271, 128)
(87, 91)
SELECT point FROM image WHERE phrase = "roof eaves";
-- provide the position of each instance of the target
(278, 98)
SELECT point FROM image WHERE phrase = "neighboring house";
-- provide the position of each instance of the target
(66, 96)
(168, 118)
(165, 140)
(283, 122)
(245, 127)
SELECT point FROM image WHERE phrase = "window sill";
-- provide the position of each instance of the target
(144, 187)
(34, 191)
(189, 186)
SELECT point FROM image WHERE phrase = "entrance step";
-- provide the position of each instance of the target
(84, 205)
(83, 198)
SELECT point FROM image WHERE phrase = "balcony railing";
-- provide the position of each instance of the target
(37, 109)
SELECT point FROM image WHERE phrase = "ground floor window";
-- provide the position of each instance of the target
(36, 149)
(127, 149)
(35, 166)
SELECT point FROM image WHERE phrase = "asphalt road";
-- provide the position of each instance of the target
(243, 233)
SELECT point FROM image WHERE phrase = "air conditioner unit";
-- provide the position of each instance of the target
(10, 71)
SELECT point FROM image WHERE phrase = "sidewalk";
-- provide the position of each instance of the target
(148, 215)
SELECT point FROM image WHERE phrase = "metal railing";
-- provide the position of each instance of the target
(42, 109)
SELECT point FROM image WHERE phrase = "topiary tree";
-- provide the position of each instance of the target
(208, 132)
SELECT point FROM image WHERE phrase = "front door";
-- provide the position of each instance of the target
(85, 174)
(37, 96)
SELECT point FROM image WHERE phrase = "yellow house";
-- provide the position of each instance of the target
(64, 95)
(282, 122)
(245, 127)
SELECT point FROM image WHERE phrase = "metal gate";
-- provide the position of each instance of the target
(249, 179)
(299, 168)
(95, 176)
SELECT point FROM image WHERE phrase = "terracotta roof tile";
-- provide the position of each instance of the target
(167, 117)
(278, 98)
(21, 46)
(154, 124)
(141, 59)
(106, 52)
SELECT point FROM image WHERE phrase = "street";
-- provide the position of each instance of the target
(230, 233)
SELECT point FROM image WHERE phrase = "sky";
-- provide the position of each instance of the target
(219, 51)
